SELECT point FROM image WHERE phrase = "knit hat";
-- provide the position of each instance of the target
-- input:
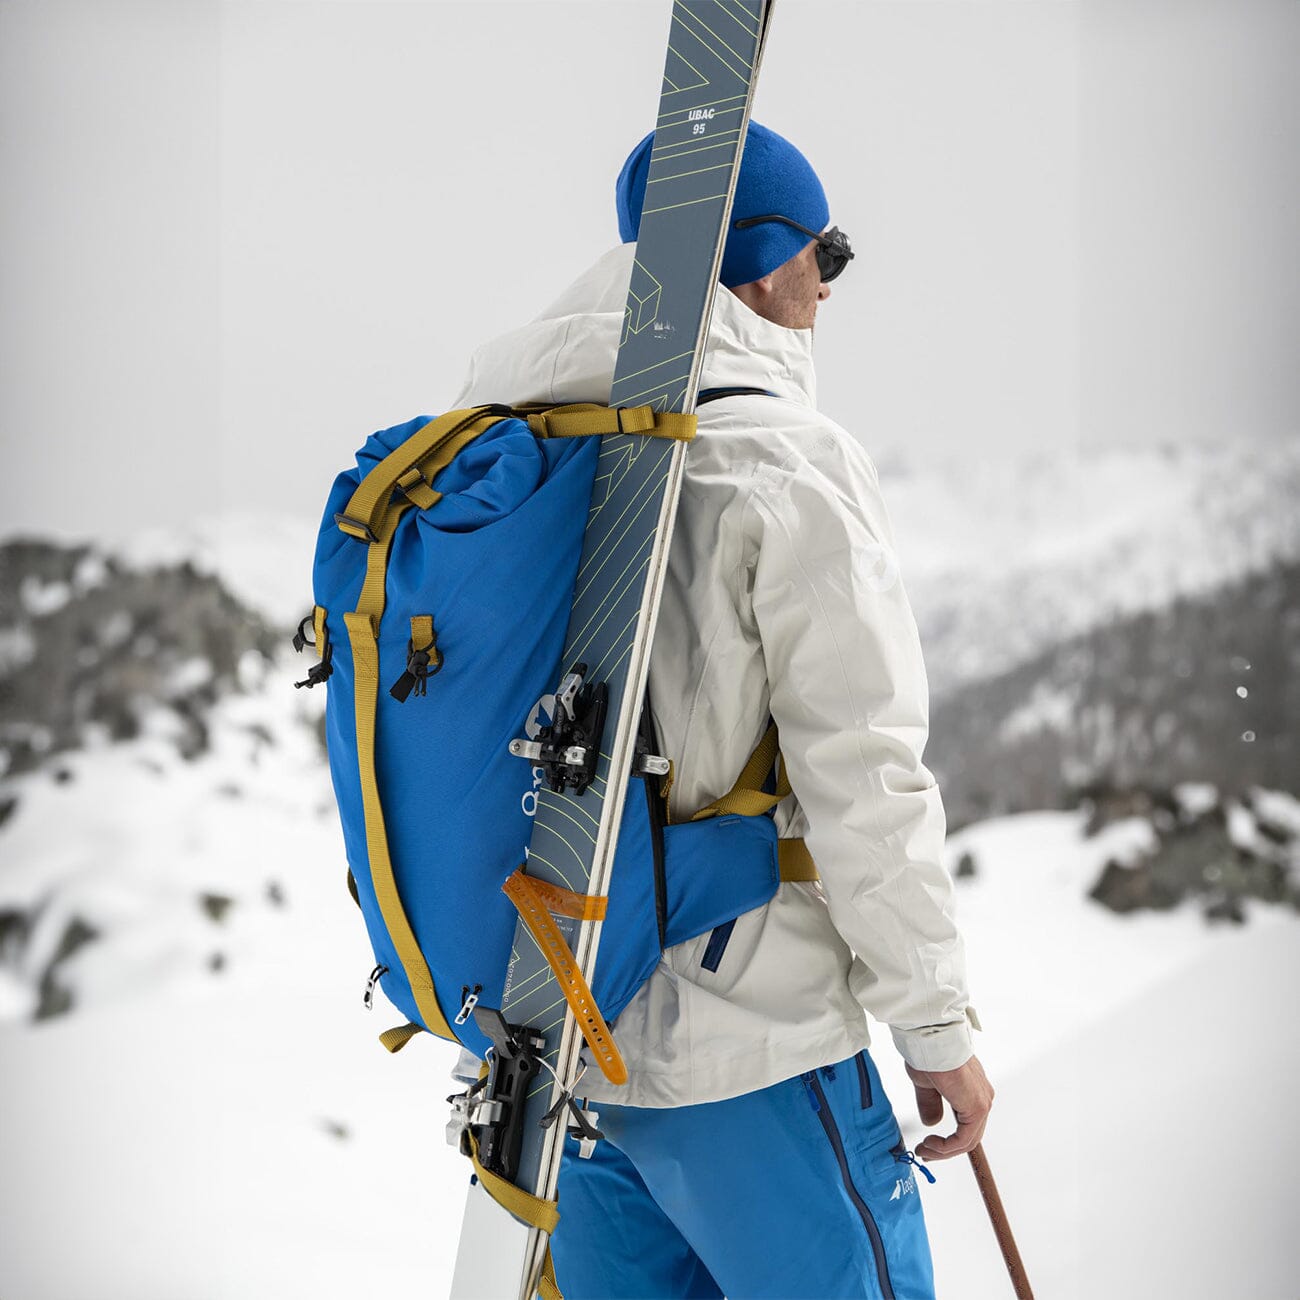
(774, 178)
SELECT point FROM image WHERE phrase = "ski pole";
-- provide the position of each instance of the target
(1001, 1228)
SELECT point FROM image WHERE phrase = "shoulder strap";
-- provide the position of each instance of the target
(748, 798)
(715, 394)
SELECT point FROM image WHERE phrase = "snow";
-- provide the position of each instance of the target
(38, 598)
(266, 559)
(185, 1134)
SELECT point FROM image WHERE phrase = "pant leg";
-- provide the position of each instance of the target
(614, 1242)
(796, 1190)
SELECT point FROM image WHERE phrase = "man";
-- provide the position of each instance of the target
(753, 1151)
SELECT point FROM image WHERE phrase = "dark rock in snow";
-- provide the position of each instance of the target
(55, 998)
(216, 906)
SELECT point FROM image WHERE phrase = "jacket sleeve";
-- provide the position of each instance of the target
(850, 697)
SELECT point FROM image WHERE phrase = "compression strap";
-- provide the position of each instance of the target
(532, 904)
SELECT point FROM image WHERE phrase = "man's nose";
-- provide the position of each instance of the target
(823, 291)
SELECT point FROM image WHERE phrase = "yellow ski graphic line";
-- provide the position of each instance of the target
(670, 207)
(613, 608)
(635, 374)
(607, 544)
(619, 639)
(741, 18)
(613, 551)
(745, 63)
(699, 171)
(552, 865)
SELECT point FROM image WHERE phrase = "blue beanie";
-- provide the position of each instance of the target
(774, 178)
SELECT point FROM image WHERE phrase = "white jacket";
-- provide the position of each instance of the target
(783, 595)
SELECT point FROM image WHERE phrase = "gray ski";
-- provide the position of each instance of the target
(714, 48)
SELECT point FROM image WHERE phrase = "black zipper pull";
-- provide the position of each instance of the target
(375, 976)
(319, 672)
(421, 664)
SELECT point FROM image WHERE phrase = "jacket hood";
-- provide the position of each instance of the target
(567, 353)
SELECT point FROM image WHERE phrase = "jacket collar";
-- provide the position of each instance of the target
(567, 353)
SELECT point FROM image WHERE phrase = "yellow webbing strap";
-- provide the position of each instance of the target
(532, 907)
(586, 419)
(363, 629)
(527, 1208)
(319, 630)
(423, 637)
(747, 797)
(443, 454)
(395, 1039)
(368, 508)
(795, 862)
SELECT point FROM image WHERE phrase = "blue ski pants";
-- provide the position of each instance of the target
(803, 1189)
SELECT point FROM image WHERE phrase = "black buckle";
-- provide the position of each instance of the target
(342, 519)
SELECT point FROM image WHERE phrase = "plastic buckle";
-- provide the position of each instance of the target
(359, 525)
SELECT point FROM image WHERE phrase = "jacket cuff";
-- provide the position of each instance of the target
(937, 1047)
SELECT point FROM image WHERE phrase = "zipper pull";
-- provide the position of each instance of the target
(907, 1158)
(829, 1072)
(375, 976)
(469, 1003)
(422, 661)
(808, 1080)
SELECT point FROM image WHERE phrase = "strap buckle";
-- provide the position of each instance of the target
(353, 527)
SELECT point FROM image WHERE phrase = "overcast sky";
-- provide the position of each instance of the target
(239, 236)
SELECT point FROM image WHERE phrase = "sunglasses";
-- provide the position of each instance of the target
(833, 251)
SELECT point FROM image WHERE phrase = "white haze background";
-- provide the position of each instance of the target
(239, 236)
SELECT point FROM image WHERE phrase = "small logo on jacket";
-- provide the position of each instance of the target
(881, 566)
(904, 1187)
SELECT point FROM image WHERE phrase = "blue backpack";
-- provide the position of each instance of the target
(439, 622)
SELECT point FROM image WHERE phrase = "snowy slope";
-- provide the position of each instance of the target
(231, 1136)
(214, 1118)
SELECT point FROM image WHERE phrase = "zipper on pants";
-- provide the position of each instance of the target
(817, 1098)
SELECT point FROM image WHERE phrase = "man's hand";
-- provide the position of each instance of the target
(969, 1093)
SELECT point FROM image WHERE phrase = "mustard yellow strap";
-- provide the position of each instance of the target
(747, 797)
(395, 1039)
(367, 510)
(525, 1207)
(362, 633)
(532, 907)
(319, 630)
(547, 1287)
(585, 420)
(795, 862)
(666, 788)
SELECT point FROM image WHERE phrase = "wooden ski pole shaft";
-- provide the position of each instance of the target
(1001, 1228)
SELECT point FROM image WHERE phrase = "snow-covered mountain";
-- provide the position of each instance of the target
(1005, 558)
